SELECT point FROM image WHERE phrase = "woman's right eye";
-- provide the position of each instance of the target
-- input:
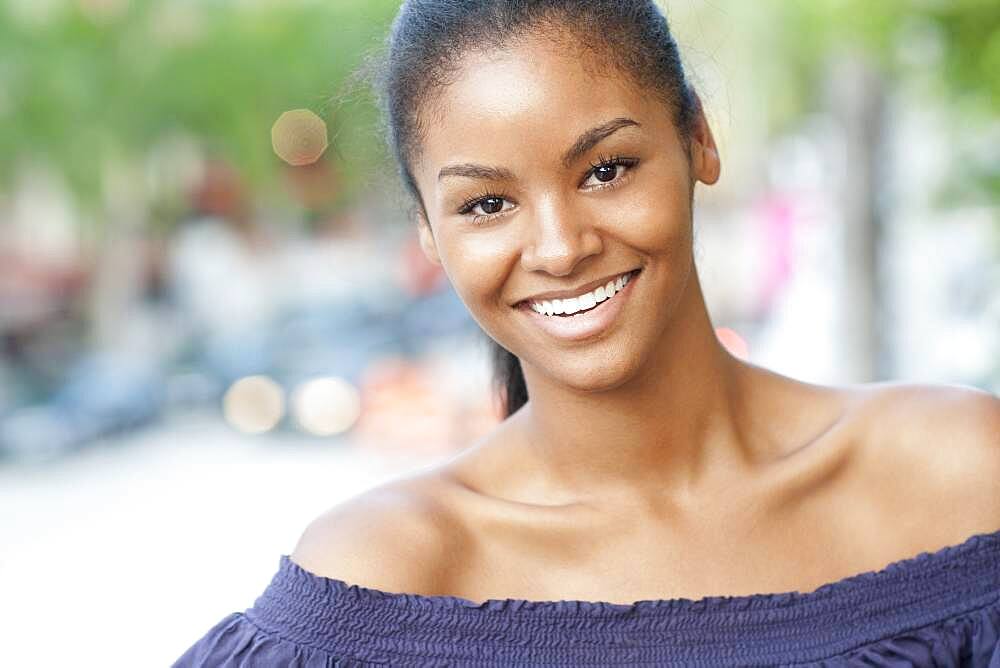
(489, 205)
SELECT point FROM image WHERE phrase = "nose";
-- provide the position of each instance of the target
(559, 238)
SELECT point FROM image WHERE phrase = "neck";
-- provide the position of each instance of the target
(670, 429)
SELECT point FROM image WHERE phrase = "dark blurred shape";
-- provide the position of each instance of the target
(314, 185)
(221, 193)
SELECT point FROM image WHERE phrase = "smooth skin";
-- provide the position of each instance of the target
(649, 463)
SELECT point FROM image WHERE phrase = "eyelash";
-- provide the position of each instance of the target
(612, 161)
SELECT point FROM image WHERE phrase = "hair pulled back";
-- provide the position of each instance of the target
(425, 49)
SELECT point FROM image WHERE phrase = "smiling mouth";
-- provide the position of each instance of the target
(566, 308)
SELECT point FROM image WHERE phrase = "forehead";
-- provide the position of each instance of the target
(528, 97)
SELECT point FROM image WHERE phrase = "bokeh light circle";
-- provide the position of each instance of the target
(254, 404)
(299, 137)
(326, 406)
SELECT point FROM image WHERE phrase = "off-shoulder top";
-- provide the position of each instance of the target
(935, 609)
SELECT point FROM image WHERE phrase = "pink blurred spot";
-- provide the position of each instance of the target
(777, 218)
(733, 342)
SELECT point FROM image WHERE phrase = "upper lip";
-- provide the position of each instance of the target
(575, 292)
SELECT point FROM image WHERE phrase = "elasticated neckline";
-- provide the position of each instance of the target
(356, 621)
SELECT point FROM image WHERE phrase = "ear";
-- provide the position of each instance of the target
(427, 242)
(705, 164)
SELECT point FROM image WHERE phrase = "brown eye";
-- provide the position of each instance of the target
(491, 204)
(605, 173)
(609, 172)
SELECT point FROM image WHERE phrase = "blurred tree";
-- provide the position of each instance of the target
(84, 85)
(952, 47)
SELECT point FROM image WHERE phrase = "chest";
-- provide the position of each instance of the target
(657, 562)
(838, 511)
(736, 550)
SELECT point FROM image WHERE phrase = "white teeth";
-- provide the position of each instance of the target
(582, 302)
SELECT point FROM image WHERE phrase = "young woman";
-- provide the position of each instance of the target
(649, 498)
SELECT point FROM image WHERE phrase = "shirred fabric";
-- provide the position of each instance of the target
(935, 609)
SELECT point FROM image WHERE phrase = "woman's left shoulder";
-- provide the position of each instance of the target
(941, 440)
(959, 419)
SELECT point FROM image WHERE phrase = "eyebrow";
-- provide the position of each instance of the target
(583, 143)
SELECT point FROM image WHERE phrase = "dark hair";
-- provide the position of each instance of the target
(424, 51)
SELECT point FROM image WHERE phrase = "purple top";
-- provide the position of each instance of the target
(935, 609)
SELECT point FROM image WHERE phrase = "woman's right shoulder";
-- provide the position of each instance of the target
(400, 537)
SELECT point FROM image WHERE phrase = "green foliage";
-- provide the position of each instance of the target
(971, 64)
(76, 90)
(952, 47)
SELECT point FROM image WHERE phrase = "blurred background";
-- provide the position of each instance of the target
(215, 321)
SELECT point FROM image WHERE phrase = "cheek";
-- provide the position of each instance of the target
(478, 265)
(654, 220)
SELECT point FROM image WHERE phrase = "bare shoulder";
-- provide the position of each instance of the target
(396, 537)
(937, 447)
(955, 419)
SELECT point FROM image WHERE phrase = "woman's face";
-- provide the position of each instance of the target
(519, 217)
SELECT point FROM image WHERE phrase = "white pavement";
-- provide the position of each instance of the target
(128, 552)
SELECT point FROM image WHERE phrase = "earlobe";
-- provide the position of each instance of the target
(427, 242)
(705, 155)
(705, 158)
(710, 166)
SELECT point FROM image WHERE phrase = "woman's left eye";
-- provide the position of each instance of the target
(608, 171)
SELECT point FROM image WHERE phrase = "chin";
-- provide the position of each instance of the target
(591, 373)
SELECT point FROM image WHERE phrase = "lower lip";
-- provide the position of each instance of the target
(587, 324)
